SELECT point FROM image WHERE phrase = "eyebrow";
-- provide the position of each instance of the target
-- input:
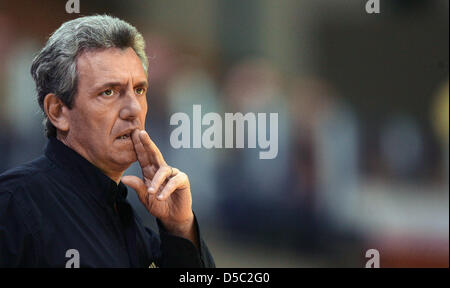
(115, 84)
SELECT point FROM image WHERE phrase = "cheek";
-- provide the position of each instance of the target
(92, 123)
(77, 121)
(144, 112)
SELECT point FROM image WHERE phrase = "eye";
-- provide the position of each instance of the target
(140, 90)
(108, 92)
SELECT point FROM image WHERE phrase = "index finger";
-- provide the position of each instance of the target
(151, 148)
(145, 160)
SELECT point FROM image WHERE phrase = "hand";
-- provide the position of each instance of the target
(164, 191)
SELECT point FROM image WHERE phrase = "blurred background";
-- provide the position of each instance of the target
(363, 105)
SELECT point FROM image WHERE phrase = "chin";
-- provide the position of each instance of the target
(126, 158)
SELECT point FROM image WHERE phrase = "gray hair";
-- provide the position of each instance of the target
(54, 68)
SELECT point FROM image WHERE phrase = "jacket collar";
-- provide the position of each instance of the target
(85, 172)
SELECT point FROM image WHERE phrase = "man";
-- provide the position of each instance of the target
(68, 208)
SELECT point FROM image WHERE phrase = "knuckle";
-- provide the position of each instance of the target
(172, 183)
(161, 174)
(168, 189)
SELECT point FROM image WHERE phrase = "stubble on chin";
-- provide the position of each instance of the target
(125, 159)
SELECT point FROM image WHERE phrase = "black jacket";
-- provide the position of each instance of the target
(61, 201)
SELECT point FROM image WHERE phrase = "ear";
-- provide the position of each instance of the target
(57, 112)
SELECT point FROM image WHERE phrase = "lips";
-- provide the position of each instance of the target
(125, 135)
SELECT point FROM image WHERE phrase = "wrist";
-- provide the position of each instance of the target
(185, 229)
(179, 228)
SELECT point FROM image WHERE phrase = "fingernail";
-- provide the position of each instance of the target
(151, 190)
(160, 196)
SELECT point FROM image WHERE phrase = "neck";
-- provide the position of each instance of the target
(115, 175)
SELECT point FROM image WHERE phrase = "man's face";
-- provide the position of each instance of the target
(110, 103)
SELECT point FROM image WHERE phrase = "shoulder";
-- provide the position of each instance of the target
(26, 177)
(21, 192)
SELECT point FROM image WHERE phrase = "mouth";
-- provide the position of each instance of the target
(124, 137)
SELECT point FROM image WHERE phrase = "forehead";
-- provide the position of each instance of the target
(111, 64)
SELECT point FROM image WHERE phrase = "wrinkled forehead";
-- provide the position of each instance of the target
(110, 64)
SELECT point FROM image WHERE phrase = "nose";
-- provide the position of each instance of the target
(131, 106)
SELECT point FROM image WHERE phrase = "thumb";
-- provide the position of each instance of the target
(138, 185)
